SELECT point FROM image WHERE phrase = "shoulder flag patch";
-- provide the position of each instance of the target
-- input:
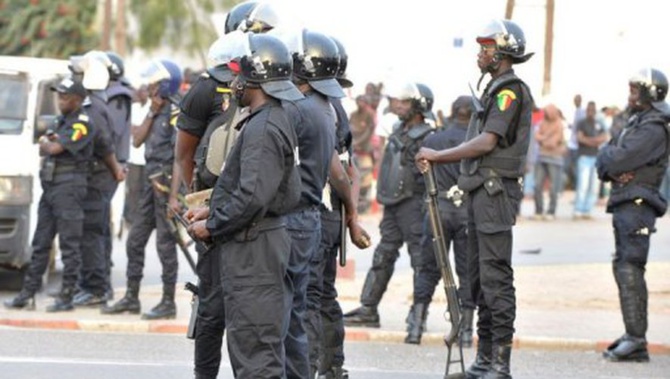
(505, 99)
(79, 130)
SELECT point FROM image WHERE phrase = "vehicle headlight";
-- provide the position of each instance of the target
(16, 190)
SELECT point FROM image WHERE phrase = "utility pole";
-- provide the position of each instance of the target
(509, 10)
(106, 24)
(120, 28)
(548, 47)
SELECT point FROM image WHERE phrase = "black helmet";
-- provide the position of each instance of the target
(316, 60)
(420, 95)
(653, 85)
(268, 64)
(116, 69)
(251, 16)
(341, 75)
(508, 38)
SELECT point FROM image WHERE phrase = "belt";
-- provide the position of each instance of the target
(251, 232)
(60, 169)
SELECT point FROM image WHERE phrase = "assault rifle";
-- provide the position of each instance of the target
(441, 254)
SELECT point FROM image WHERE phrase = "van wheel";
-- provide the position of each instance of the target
(13, 280)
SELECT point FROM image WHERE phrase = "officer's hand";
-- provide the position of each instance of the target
(423, 158)
(358, 235)
(197, 214)
(157, 103)
(174, 206)
(199, 230)
(626, 177)
(120, 174)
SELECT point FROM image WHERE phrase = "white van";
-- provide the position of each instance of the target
(27, 108)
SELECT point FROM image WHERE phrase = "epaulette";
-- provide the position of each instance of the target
(83, 117)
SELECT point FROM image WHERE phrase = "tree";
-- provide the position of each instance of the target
(182, 24)
(54, 29)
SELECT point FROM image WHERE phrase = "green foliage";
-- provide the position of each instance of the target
(47, 28)
(182, 24)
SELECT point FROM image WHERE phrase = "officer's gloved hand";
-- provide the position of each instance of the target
(358, 235)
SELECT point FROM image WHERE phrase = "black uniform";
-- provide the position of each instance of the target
(63, 177)
(95, 268)
(454, 214)
(494, 187)
(314, 121)
(325, 328)
(159, 155)
(641, 148)
(400, 190)
(200, 106)
(258, 185)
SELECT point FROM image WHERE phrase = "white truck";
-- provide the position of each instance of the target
(27, 108)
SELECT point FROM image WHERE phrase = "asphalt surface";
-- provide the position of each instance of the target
(566, 295)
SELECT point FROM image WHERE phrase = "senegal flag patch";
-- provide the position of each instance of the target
(79, 130)
(505, 99)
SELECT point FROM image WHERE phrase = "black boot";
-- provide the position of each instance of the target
(63, 301)
(24, 300)
(166, 309)
(415, 323)
(500, 364)
(633, 296)
(482, 362)
(362, 316)
(88, 299)
(130, 302)
(466, 327)
(335, 372)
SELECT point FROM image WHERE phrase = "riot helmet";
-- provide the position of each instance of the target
(92, 68)
(222, 52)
(167, 74)
(251, 16)
(653, 85)
(420, 95)
(341, 75)
(116, 68)
(266, 63)
(508, 38)
(315, 61)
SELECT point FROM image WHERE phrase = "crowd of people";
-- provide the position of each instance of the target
(262, 139)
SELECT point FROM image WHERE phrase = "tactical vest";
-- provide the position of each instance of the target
(397, 179)
(216, 144)
(652, 174)
(508, 158)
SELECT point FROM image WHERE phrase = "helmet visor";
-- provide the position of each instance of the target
(154, 72)
(261, 19)
(227, 48)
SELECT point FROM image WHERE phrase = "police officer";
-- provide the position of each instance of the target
(494, 157)
(315, 63)
(259, 184)
(207, 108)
(157, 132)
(635, 162)
(92, 284)
(400, 189)
(325, 329)
(66, 150)
(453, 206)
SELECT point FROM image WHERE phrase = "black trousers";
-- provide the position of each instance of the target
(491, 217)
(152, 215)
(401, 223)
(211, 318)
(325, 327)
(59, 213)
(454, 224)
(257, 293)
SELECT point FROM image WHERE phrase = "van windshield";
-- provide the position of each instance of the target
(13, 98)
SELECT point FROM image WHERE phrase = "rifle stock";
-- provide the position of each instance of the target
(442, 256)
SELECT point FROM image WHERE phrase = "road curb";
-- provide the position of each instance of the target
(352, 334)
